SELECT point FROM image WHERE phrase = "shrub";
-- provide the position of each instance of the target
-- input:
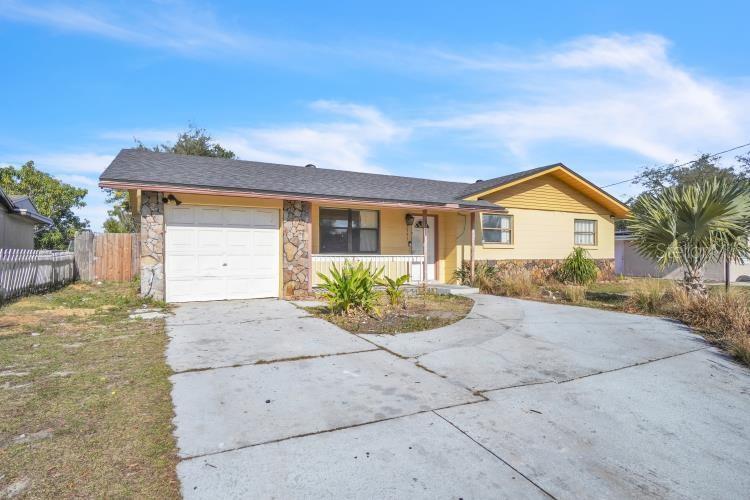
(350, 288)
(485, 275)
(393, 288)
(578, 268)
(646, 295)
(514, 283)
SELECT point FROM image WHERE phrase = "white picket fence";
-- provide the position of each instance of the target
(25, 271)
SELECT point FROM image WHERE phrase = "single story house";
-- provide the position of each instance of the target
(215, 228)
(19, 221)
(628, 262)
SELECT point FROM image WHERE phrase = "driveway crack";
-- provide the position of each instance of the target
(496, 455)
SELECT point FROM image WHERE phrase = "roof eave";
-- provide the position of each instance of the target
(452, 206)
(41, 219)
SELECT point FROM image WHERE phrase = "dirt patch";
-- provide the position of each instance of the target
(420, 312)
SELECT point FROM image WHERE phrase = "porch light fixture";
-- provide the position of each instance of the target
(409, 219)
(169, 198)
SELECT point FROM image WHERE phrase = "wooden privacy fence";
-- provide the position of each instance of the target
(107, 256)
(24, 271)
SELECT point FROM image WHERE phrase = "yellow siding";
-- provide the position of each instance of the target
(541, 234)
(447, 255)
(546, 192)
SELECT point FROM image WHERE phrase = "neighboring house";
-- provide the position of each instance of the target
(19, 220)
(628, 262)
(222, 229)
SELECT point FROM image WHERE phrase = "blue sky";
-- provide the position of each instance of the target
(458, 91)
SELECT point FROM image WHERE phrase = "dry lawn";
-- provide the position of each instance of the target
(85, 407)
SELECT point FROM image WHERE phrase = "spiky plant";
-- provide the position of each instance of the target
(578, 268)
(394, 288)
(351, 287)
(692, 225)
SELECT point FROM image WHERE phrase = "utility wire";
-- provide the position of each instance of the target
(669, 166)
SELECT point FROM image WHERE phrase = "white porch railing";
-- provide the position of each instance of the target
(393, 265)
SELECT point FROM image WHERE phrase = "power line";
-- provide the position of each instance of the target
(669, 166)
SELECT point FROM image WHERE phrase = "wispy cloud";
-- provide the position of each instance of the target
(174, 25)
(347, 142)
(616, 91)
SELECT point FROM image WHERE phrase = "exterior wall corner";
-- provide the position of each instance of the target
(152, 245)
(296, 249)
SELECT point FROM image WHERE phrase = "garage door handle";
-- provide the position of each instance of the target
(224, 264)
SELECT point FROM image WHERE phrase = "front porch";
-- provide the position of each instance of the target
(394, 266)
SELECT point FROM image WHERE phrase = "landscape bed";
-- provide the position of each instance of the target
(421, 311)
(85, 407)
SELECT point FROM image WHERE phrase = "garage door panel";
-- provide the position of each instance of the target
(192, 289)
(239, 241)
(266, 243)
(182, 215)
(210, 240)
(181, 265)
(215, 253)
(265, 218)
(239, 217)
(210, 265)
(209, 216)
(250, 288)
(239, 265)
(181, 239)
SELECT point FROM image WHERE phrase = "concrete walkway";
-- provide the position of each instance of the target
(520, 399)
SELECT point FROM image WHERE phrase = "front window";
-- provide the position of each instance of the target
(349, 231)
(497, 229)
(585, 232)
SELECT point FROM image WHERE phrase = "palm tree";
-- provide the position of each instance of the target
(692, 225)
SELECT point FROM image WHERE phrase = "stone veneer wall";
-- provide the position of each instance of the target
(297, 245)
(152, 245)
(542, 269)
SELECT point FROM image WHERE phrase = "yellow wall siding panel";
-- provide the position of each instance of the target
(446, 246)
(542, 234)
(546, 192)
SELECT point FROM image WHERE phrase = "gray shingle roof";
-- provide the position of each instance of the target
(167, 169)
(22, 205)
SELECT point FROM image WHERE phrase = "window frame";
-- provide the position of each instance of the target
(596, 232)
(349, 231)
(511, 231)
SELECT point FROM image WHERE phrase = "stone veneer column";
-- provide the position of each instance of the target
(297, 245)
(152, 245)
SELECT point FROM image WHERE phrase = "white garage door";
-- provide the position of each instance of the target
(217, 253)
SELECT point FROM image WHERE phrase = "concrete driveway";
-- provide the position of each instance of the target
(519, 400)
